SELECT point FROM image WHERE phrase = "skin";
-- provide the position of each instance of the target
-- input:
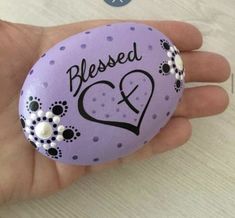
(27, 174)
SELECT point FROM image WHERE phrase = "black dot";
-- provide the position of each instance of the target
(44, 118)
(52, 151)
(107, 115)
(178, 83)
(57, 109)
(68, 134)
(34, 106)
(48, 141)
(78, 134)
(64, 103)
(50, 120)
(174, 66)
(34, 122)
(166, 68)
(167, 97)
(22, 122)
(168, 113)
(42, 141)
(38, 119)
(96, 159)
(54, 125)
(32, 127)
(75, 157)
(119, 145)
(166, 45)
(30, 98)
(32, 133)
(33, 144)
(95, 139)
(55, 132)
(132, 28)
(53, 138)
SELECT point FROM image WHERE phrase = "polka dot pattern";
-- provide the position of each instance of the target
(57, 113)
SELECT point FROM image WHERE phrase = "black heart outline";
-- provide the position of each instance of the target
(128, 126)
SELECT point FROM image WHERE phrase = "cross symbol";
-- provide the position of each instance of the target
(126, 99)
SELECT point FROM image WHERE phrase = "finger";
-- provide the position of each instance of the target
(185, 36)
(202, 101)
(176, 132)
(205, 67)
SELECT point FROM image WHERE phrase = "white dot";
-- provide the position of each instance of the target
(31, 137)
(43, 130)
(33, 116)
(181, 77)
(56, 119)
(170, 63)
(176, 48)
(172, 71)
(177, 76)
(49, 114)
(40, 113)
(28, 122)
(45, 146)
(59, 138)
(27, 129)
(179, 62)
(60, 128)
(53, 145)
(169, 54)
(38, 144)
(172, 49)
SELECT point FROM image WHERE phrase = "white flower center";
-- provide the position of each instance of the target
(179, 62)
(43, 130)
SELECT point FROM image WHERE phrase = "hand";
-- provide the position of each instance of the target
(25, 173)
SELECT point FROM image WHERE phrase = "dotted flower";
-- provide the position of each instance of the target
(44, 129)
(174, 65)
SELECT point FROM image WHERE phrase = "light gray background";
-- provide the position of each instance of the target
(196, 180)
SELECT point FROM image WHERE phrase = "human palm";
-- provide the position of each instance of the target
(25, 173)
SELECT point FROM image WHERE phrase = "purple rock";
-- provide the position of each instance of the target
(79, 118)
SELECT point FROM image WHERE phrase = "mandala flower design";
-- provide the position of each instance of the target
(174, 65)
(44, 128)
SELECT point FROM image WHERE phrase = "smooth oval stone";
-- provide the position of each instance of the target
(101, 94)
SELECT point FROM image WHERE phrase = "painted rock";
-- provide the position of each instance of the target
(101, 94)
